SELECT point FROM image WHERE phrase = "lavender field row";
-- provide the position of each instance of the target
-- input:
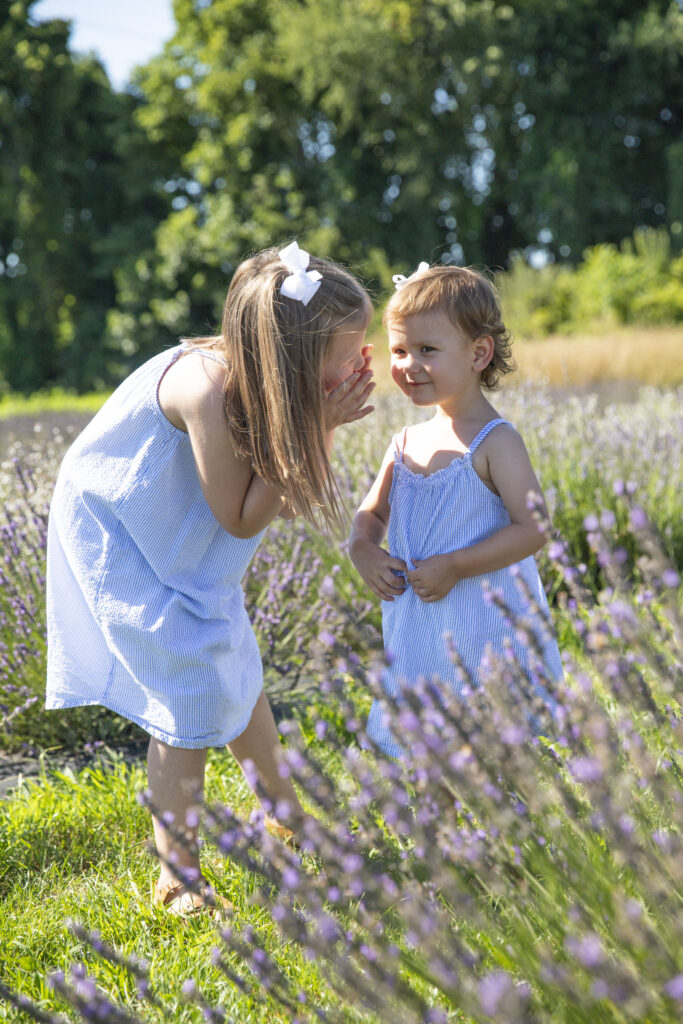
(503, 874)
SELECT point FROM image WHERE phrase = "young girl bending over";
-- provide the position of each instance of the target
(159, 507)
(451, 496)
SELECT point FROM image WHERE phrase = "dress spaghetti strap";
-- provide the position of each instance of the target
(400, 448)
(483, 433)
(207, 353)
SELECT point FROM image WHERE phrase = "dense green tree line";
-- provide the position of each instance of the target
(76, 194)
(380, 132)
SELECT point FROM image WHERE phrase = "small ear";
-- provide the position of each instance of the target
(483, 351)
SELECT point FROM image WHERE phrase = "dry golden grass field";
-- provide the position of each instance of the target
(621, 356)
(613, 363)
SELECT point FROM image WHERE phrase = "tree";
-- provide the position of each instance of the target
(383, 131)
(379, 132)
(322, 120)
(75, 198)
(584, 142)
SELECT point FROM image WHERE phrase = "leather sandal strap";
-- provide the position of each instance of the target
(168, 894)
(165, 894)
(281, 832)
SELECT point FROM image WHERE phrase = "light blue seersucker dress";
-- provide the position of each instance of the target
(431, 515)
(145, 607)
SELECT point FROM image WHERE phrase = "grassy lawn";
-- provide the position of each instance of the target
(55, 400)
(74, 847)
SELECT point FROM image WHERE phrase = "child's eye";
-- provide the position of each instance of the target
(427, 348)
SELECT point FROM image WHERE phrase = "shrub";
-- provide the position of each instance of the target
(637, 282)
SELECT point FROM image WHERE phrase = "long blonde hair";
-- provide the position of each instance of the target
(274, 348)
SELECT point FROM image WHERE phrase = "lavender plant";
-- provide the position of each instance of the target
(25, 492)
(500, 874)
(22, 645)
(510, 871)
(290, 582)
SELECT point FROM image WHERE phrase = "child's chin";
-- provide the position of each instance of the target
(420, 397)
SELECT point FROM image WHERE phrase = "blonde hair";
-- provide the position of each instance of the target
(471, 302)
(275, 348)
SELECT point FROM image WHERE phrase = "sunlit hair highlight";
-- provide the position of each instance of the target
(471, 302)
(274, 348)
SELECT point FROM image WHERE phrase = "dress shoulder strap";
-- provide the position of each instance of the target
(207, 353)
(484, 432)
(400, 444)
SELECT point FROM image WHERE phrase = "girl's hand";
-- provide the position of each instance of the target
(348, 401)
(434, 577)
(375, 566)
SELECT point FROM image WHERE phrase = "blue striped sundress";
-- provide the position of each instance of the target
(145, 608)
(450, 509)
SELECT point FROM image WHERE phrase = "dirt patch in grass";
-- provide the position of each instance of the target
(15, 768)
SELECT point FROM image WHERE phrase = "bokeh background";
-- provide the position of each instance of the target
(538, 139)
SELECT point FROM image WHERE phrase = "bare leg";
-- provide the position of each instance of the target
(176, 781)
(260, 744)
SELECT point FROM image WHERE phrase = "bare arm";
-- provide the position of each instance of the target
(510, 471)
(241, 502)
(368, 530)
(345, 404)
(191, 396)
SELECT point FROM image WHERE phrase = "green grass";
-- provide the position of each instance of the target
(54, 400)
(75, 847)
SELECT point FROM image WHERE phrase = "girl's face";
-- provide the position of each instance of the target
(432, 361)
(345, 357)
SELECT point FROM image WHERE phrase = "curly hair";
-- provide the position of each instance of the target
(472, 304)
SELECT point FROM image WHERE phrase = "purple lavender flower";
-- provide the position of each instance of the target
(587, 949)
(492, 990)
(638, 518)
(586, 769)
(674, 988)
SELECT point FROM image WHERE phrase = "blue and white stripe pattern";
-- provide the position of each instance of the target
(144, 600)
(451, 509)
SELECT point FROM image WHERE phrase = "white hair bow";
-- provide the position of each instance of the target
(301, 284)
(400, 279)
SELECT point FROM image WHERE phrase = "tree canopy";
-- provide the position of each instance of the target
(379, 132)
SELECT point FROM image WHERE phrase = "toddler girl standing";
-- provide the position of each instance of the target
(451, 497)
(159, 507)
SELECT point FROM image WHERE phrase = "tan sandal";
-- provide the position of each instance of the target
(281, 832)
(177, 899)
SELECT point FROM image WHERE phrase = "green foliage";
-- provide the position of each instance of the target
(496, 878)
(636, 282)
(75, 199)
(50, 401)
(378, 132)
(70, 846)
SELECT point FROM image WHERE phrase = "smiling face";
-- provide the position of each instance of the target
(433, 362)
(345, 356)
